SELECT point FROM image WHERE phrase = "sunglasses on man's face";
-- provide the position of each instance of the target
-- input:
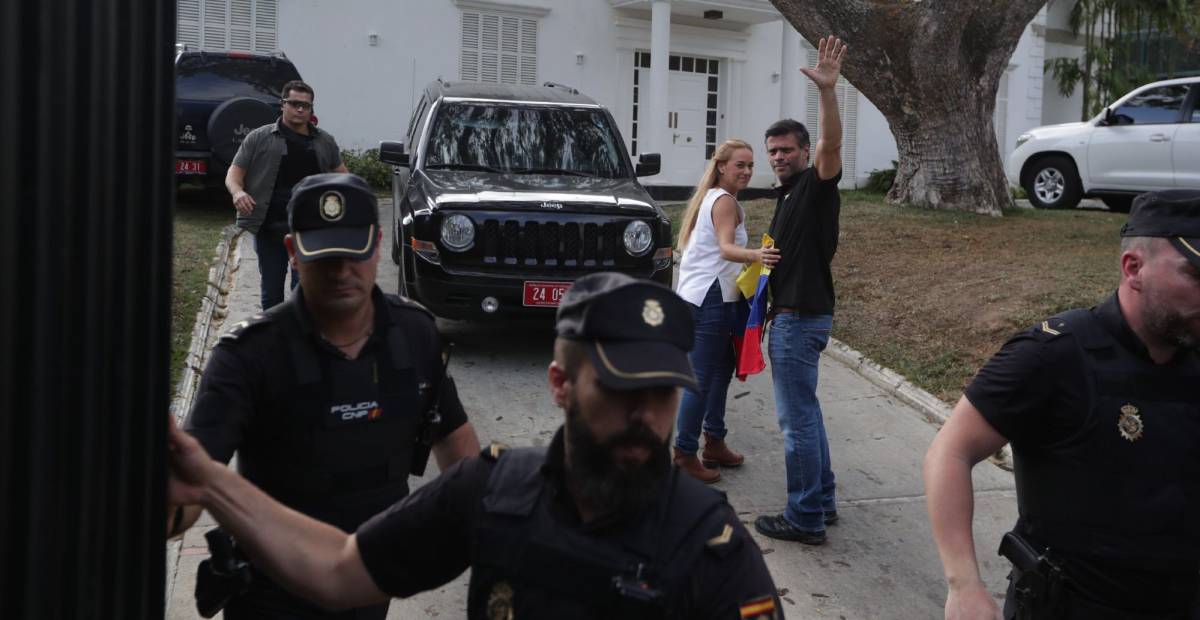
(299, 104)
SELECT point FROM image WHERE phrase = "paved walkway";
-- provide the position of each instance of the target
(880, 561)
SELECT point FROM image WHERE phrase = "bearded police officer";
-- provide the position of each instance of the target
(599, 525)
(1102, 407)
(332, 398)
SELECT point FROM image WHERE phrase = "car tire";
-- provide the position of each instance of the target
(1118, 204)
(1053, 183)
(232, 121)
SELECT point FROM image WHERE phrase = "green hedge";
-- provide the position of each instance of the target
(880, 181)
(366, 164)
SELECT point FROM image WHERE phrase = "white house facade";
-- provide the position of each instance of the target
(730, 67)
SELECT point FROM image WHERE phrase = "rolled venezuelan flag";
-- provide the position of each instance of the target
(748, 346)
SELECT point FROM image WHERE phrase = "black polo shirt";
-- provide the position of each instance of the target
(424, 541)
(805, 229)
(250, 376)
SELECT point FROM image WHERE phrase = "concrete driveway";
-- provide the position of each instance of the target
(880, 561)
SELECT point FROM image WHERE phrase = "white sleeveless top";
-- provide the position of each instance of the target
(702, 263)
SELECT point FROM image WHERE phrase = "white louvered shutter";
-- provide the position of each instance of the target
(266, 24)
(468, 66)
(848, 109)
(498, 48)
(528, 51)
(216, 26)
(187, 28)
(240, 25)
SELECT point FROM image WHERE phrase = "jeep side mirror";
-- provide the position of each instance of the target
(393, 153)
(648, 164)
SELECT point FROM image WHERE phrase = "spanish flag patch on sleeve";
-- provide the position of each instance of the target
(761, 608)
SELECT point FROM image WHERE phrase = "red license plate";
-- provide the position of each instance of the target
(545, 294)
(191, 166)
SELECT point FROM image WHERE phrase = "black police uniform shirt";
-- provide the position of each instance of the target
(298, 161)
(426, 541)
(805, 229)
(1037, 393)
(250, 399)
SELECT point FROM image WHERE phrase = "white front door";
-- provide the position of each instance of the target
(1134, 153)
(683, 157)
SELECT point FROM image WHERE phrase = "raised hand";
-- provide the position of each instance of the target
(830, 52)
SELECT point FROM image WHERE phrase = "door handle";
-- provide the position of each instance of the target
(1158, 137)
(674, 138)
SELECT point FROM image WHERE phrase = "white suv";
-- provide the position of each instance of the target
(1148, 140)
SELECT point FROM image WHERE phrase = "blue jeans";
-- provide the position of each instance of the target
(272, 267)
(713, 362)
(795, 344)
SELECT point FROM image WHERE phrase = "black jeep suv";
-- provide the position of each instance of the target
(510, 193)
(219, 98)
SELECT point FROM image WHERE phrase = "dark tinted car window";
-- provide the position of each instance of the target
(221, 77)
(1154, 106)
(532, 139)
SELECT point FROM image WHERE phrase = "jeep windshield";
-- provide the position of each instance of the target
(525, 140)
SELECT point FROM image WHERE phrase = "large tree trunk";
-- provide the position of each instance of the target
(932, 68)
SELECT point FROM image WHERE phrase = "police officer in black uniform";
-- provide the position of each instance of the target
(1102, 407)
(599, 525)
(334, 397)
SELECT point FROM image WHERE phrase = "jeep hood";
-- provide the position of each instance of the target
(539, 191)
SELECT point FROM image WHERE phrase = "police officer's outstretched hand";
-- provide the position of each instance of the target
(189, 468)
(972, 602)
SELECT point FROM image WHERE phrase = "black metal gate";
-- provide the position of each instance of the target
(86, 202)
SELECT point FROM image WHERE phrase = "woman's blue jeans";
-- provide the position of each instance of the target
(796, 342)
(713, 362)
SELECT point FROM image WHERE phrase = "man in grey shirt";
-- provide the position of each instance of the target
(270, 162)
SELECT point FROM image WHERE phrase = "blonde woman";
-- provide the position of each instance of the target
(712, 238)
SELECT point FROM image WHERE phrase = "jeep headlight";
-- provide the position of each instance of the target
(638, 238)
(1023, 138)
(458, 232)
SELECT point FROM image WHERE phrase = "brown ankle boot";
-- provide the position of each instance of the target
(692, 465)
(717, 453)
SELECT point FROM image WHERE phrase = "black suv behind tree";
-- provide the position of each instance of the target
(219, 98)
(513, 192)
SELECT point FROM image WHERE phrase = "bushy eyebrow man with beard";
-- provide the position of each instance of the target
(597, 525)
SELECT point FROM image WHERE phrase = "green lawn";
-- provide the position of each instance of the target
(932, 294)
(198, 225)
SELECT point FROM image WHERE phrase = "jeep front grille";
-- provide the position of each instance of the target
(546, 247)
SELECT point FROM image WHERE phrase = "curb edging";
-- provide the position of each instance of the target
(934, 410)
(213, 308)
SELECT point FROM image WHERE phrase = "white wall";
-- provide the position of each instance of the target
(760, 103)
(365, 93)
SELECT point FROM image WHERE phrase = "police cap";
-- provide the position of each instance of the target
(637, 332)
(1172, 213)
(333, 215)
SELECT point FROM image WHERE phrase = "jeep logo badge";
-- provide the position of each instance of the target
(239, 134)
(551, 205)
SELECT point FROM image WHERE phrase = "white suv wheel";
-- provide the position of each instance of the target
(1049, 185)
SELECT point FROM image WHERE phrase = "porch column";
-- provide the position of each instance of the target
(660, 46)
(791, 87)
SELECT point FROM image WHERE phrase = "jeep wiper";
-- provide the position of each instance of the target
(553, 171)
(449, 166)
